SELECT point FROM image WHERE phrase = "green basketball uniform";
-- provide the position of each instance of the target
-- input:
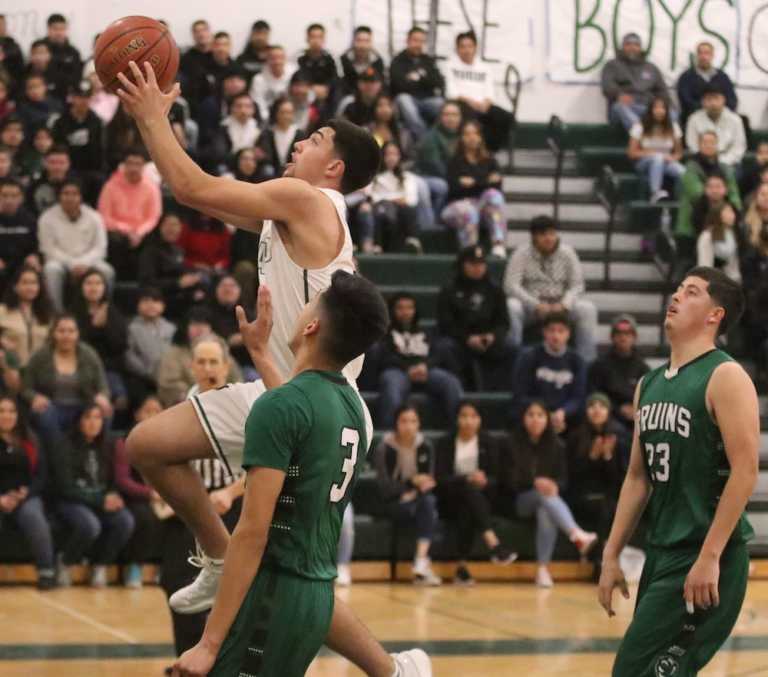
(687, 468)
(313, 429)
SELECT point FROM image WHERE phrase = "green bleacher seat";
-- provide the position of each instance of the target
(644, 216)
(592, 159)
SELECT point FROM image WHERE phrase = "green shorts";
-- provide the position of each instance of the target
(279, 629)
(664, 639)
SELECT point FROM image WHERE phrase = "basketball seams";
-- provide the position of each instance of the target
(124, 33)
(163, 36)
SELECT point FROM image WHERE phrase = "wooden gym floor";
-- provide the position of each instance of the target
(491, 629)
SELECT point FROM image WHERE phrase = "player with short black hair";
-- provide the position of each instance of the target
(693, 467)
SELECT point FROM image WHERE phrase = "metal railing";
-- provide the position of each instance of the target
(556, 133)
(513, 83)
(608, 193)
(665, 244)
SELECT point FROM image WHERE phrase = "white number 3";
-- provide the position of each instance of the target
(349, 438)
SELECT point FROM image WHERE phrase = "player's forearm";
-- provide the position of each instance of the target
(733, 501)
(176, 167)
(262, 360)
(634, 496)
(241, 565)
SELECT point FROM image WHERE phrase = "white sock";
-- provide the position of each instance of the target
(421, 562)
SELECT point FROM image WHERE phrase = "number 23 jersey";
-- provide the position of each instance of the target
(312, 428)
(684, 453)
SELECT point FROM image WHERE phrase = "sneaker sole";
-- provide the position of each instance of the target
(464, 584)
(505, 561)
(188, 610)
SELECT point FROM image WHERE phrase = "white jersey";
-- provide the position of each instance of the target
(293, 287)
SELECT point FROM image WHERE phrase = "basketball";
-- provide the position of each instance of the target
(139, 39)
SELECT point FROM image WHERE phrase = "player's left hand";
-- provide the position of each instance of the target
(142, 98)
(195, 662)
(700, 589)
(256, 334)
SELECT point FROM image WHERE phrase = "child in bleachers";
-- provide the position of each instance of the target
(475, 200)
(466, 471)
(149, 337)
(391, 215)
(103, 327)
(717, 245)
(86, 498)
(22, 479)
(405, 468)
(535, 471)
(656, 147)
(138, 496)
(161, 265)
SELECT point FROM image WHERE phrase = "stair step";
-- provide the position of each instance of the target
(546, 185)
(570, 198)
(585, 240)
(565, 225)
(619, 302)
(528, 209)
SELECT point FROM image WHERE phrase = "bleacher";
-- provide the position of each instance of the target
(634, 282)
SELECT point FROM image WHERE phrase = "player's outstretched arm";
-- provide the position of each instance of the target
(635, 492)
(246, 548)
(732, 399)
(242, 204)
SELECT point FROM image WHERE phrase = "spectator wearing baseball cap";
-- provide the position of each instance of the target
(360, 108)
(472, 315)
(618, 372)
(546, 276)
(715, 117)
(691, 85)
(629, 83)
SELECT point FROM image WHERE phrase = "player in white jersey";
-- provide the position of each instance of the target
(304, 240)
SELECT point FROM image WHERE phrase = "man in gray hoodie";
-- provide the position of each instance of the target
(629, 83)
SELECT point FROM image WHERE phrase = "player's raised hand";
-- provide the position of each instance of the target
(611, 577)
(256, 334)
(142, 98)
(700, 589)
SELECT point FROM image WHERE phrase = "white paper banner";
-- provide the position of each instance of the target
(583, 34)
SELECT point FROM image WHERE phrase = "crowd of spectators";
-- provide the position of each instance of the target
(82, 211)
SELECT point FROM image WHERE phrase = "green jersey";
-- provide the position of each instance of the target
(684, 453)
(313, 429)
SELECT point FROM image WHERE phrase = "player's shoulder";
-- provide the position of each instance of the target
(729, 374)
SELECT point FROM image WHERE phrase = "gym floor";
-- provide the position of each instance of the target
(491, 629)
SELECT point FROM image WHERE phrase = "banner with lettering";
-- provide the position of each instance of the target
(583, 34)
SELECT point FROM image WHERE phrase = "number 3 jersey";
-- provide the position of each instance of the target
(684, 453)
(312, 428)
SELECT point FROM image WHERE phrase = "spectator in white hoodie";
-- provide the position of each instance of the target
(73, 239)
(273, 81)
(391, 215)
(469, 81)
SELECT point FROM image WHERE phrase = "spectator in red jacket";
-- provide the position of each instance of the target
(205, 242)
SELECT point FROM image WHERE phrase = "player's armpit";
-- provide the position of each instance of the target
(286, 200)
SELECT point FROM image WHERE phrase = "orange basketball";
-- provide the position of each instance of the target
(139, 39)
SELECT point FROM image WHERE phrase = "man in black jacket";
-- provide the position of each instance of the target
(82, 131)
(193, 61)
(410, 359)
(64, 56)
(618, 372)
(359, 58)
(362, 108)
(254, 56)
(18, 232)
(318, 63)
(472, 315)
(416, 83)
(691, 85)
